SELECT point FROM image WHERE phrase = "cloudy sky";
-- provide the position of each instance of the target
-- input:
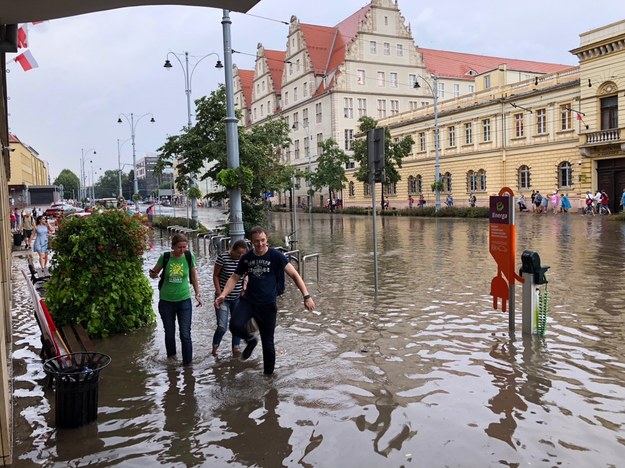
(94, 67)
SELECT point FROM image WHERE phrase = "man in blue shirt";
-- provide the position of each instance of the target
(262, 265)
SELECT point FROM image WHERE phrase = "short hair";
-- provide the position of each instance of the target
(240, 244)
(257, 230)
(177, 238)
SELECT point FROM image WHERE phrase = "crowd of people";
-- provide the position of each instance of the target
(31, 229)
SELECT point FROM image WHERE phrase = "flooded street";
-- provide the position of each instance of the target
(426, 374)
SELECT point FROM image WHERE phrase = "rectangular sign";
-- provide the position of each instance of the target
(500, 210)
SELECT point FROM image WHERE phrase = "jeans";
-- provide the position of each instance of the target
(223, 314)
(265, 316)
(169, 312)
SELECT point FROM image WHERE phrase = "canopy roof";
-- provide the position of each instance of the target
(25, 11)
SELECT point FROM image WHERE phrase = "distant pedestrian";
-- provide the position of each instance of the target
(538, 201)
(555, 202)
(533, 200)
(605, 203)
(410, 201)
(566, 203)
(421, 201)
(623, 200)
(178, 268)
(450, 201)
(150, 211)
(28, 225)
(522, 204)
(545, 205)
(39, 241)
(472, 200)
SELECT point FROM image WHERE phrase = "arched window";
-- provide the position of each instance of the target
(446, 179)
(565, 174)
(366, 189)
(471, 181)
(524, 178)
(481, 180)
(390, 188)
(352, 190)
(412, 185)
(419, 184)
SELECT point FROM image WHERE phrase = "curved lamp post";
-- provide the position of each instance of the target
(437, 166)
(188, 78)
(82, 191)
(133, 126)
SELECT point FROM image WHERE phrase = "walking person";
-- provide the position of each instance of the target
(533, 200)
(538, 201)
(566, 203)
(28, 225)
(623, 200)
(39, 241)
(178, 268)
(555, 202)
(150, 211)
(450, 201)
(605, 203)
(225, 265)
(264, 266)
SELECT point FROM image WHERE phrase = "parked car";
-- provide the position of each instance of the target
(60, 209)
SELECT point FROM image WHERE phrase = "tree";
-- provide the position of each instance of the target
(394, 153)
(205, 142)
(70, 183)
(108, 184)
(330, 171)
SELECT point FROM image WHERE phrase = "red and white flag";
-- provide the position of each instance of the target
(22, 37)
(26, 60)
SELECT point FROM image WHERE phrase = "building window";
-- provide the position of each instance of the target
(412, 79)
(361, 77)
(524, 178)
(400, 50)
(262, 110)
(609, 112)
(412, 185)
(373, 47)
(255, 115)
(366, 189)
(394, 107)
(386, 21)
(451, 132)
(288, 154)
(487, 82)
(319, 143)
(296, 143)
(486, 130)
(381, 78)
(307, 147)
(348, 108)
(565, 175)
(390, 188)
(481, 180)
(456, 90)
(441, 90)
(471, 88)
(446, 180)
(362, 107)
(541, 121)
(290, 68)
(305, 117)
(387, 48)
(352, 189)
(296, 121)
(393, 80)
(381, 108)
(565, 117)
(419, 183)
(414, 105)
(268, 107)
(421, 141)
(297, 65)
(519, 131)
(471, 181)
(468, 133)
(349, 137)
(286, 98)
(295, 97)
(305, 89)
(318, 115)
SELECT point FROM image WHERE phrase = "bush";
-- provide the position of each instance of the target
(97, 274)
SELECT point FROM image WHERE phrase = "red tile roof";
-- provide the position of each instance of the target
(247, 82)
(275, 63)
(13, 139)
(457, 65)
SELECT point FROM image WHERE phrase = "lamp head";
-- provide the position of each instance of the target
(167, 64)
(416, 85)
(152, 120)
(119, 120)
(218, 64)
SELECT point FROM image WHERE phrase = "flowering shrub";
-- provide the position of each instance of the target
(97, 274)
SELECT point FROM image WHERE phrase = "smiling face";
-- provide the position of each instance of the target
(259, 242)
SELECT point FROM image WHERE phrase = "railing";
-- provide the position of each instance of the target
(603, 136)
(305, 259)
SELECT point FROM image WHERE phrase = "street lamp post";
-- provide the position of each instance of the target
(310, 197)
(82, 190)
(188, 78)
(437, 166)
(119, 165)
(133, 127)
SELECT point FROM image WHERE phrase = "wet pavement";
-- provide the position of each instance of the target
(424, 374)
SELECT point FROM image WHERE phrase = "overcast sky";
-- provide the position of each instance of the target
(94, 67)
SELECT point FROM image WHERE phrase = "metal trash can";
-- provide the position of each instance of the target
(76, 379)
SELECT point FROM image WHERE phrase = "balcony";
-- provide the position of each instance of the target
(603, 137)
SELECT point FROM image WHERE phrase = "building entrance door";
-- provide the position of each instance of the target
(611, 178)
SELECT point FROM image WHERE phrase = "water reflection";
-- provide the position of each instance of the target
(425, 373)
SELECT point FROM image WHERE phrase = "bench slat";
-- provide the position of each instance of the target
(71, 340)
(84, 338)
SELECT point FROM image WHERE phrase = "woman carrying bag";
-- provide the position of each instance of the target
(178, 268)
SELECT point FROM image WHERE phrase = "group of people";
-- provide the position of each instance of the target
(31, 229)
(247, 284)
(541, 204)
(599, 203)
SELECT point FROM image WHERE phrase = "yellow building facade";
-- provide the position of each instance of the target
(559, 131)
(26, 166)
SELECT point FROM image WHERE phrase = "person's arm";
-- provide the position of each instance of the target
(216, 272)
(299, 282)
(227, 290)
(196, 285)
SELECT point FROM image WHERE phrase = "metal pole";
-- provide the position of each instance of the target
(134, 156)
(310, 197)
(82, 169)
(232, 133)
(187, 79)
(119, 169)
(437, 166)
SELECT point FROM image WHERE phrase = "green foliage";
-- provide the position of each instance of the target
(164, 222)
(395, 152)
(438, 186)
(330, 171)
(108, 184)
(240, 177)
(194, 192)
(70, 183)
(98, 278)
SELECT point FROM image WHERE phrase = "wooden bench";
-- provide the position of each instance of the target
(56, 342)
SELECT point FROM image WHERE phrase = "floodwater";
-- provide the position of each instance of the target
(426, 374)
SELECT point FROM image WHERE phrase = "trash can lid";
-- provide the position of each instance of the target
(76, 363)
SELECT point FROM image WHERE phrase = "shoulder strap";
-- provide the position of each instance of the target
(187, 255)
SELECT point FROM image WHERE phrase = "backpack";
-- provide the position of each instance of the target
(166, 256)
(280, 279)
